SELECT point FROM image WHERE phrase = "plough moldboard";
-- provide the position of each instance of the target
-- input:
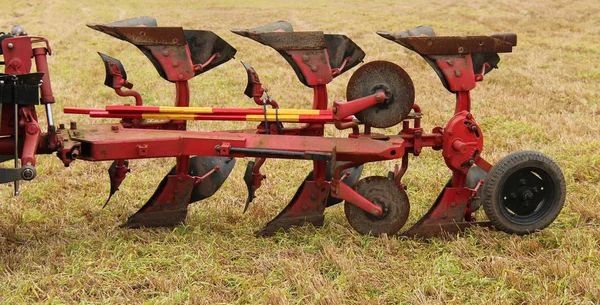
(522, 193)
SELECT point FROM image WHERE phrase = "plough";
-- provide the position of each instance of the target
(520, 194)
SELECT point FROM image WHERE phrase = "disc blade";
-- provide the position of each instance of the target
(382, 76)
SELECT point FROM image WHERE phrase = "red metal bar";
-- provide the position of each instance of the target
(463, 101)
(344, 109)
(77, 110)
(41, 64)
(112, 142)
(343, 191)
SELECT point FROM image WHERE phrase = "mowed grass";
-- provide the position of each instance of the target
(57, 245)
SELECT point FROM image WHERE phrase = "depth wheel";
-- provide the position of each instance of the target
(523, 193)
(389, 196)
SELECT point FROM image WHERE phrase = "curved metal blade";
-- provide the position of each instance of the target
(199, 166)
(115, 180)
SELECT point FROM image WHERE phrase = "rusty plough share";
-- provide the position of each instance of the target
(522, 193)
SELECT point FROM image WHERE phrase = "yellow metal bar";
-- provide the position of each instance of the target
(168, 116)
(171, 109)
(280, 118)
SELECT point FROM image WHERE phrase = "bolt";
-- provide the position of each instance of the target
(452, 204)
(165, 53)
(175, 64)
(304, 207)
(535, 189)
(76, 133)
(313, 197)
(473, 128)
(73, 125)
(180, 76)
(513, 195)
(471, 161)
(461, 49)
(180, 179)
(74, 153)
(28, 174)
(523, 182)
(444, 216)
(469, 116)
(457, 73)
(61, 126)
(114, 127)
(176, 191)
(450, 62)
(10, 45)
(334, 110)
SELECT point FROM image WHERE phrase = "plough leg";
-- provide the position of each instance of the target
(168, 205)
(307, 205)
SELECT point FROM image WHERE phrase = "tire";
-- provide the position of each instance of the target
(523, 193)
(388, 195)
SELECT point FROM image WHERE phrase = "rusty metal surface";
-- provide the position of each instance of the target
(146, 36)
(286, 41)
(506, 36)
(306, 206)
(167, 207)
(453, 45)
(382, 75)
(389, 196)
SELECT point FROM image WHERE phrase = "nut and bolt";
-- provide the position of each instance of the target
(28, 174)
(74, 153)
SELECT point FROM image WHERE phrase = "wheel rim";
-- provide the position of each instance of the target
(526, 195)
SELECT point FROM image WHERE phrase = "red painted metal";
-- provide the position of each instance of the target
(343, 191)
(41, 64)
(461, 139)
(342, 110)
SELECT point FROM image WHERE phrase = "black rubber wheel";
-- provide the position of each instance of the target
(523, 193)
(385, 193)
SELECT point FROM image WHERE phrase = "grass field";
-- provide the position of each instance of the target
(57, 245)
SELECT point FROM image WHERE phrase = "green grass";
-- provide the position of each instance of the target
(58, 246)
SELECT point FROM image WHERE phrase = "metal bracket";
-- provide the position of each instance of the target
(15, 174)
